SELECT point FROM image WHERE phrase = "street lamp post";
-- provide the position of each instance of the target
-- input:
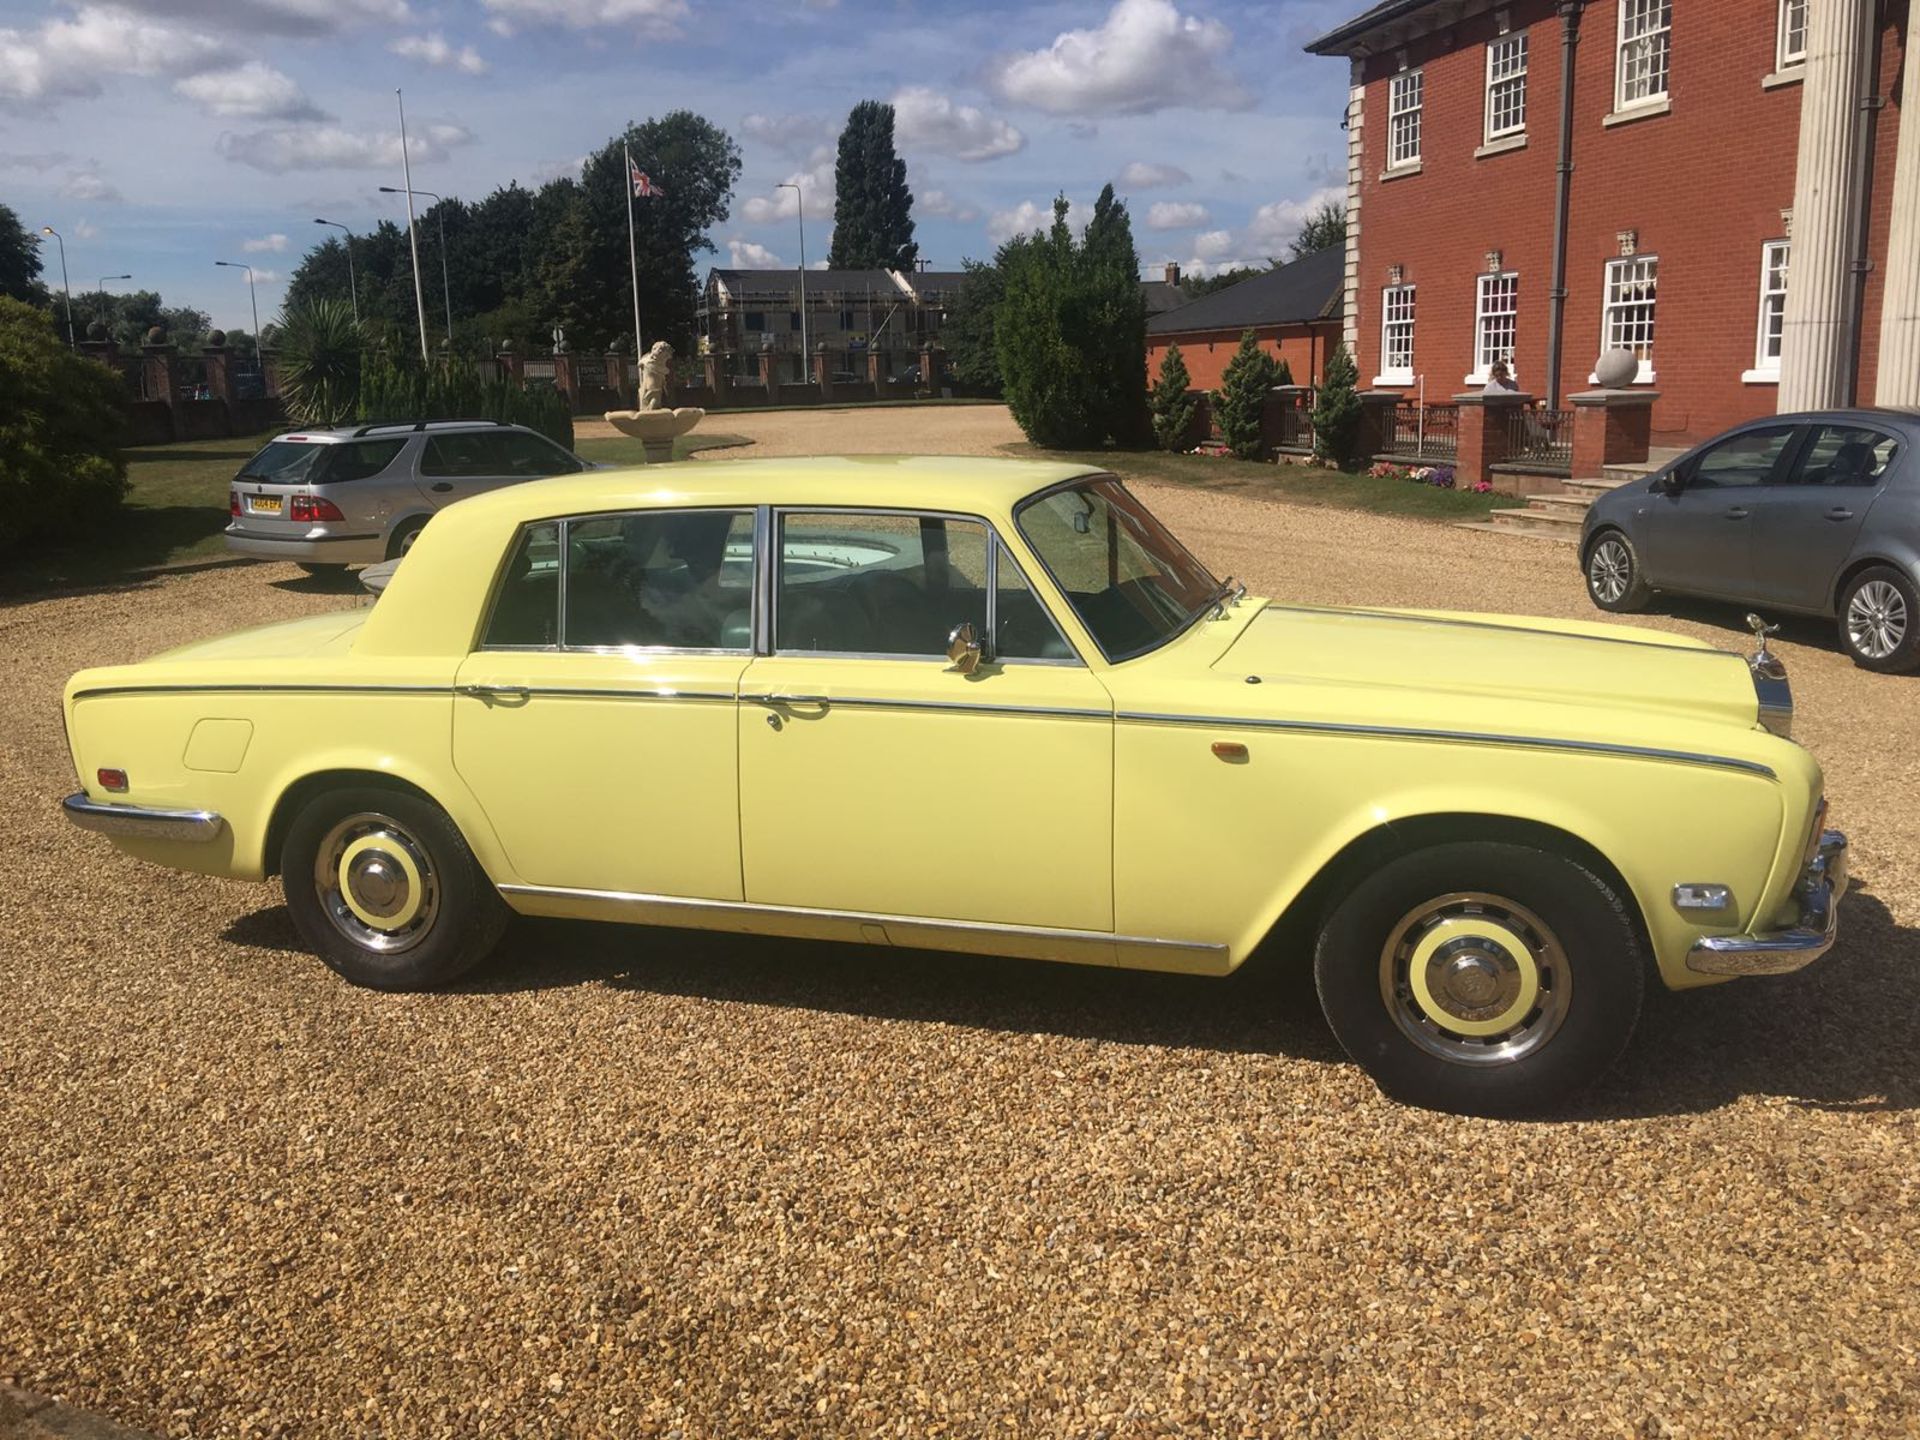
(259, 355)
(413, 236)
(800, 214)
(353, 290)
(440, 216)
(64, 286)
(105, 278)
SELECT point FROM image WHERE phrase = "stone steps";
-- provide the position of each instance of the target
(1555, 522)
(1558, 518)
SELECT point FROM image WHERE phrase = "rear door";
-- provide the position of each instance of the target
(1807, 526)
(458, 463)
(1701, 539)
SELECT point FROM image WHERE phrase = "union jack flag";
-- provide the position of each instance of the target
(643, 186)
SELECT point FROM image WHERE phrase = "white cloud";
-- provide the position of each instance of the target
(277, 17)
(274, 243)
(816, 185)
(85, 230)
(1026, 217)
(648, 17)
(39, 160)
(745, 255)
(1277, 223)
(1145, 56)
(88, 185)
(252, 91)
(331, 147)
(794, 135)
(1213, 244)
(927, 120)
(556, 170)
(939, 203)
(1143, 175)
(69, 57)
(433, 49)
(1200, 266)
(503, 28)
(1176, 215)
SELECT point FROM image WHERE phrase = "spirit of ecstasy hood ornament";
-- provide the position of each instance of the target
(1764, 661)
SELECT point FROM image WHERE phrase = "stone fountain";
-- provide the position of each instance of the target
(654, 424)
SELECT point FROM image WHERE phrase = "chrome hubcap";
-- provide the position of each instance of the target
(1877, 619)
(376, 883)
(1610, 570)
(1475, 979)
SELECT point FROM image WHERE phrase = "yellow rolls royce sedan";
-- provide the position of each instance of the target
(993, 706)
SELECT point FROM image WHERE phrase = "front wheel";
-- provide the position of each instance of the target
(1483, 978)
(1614, 580)
(382, 887)
(1880, 621)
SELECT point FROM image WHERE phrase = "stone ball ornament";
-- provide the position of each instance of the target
(1616, 369)
(157, 335)
(217, 339)
(97, 331)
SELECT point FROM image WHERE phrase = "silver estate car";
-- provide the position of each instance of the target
(360, 494)
(1816, 513)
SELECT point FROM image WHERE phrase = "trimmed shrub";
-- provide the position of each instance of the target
(1336, 409)
(1172, 402)
(61, 473)
(1242, 397)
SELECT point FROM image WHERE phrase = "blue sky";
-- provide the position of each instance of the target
(161, 135)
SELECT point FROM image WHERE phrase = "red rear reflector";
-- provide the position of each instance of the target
(114, 780)
(309, 508)
(233, 502)
(1229, 749)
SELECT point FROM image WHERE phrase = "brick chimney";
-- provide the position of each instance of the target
(1173, 272)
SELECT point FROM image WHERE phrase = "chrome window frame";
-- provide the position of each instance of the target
(563, 522)
(775, 556)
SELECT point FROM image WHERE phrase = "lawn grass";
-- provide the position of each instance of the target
(1299, 484)
(176, 511)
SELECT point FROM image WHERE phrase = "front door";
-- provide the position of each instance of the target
(875, 778)
(1700, 540)
(599, 735)
(1806, 528)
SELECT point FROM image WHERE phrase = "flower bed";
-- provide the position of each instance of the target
(1441, 477)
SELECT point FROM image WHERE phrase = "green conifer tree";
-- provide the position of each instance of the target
(1173, 403)
(1336, 409)
(1242, 396)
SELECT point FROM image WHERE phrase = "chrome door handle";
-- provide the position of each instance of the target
(1839, 512)
(1736, 512)
(494, 692)
(784, 701)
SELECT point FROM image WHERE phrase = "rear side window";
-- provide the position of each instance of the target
(1845, 455)
(526, 610)
(283, 462)
(466, 455)
(358, 460)
(679, 580)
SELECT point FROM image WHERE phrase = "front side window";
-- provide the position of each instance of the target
(1845, 455)
(1645, 45)
(1396, 334)
(1403, 119)
(878, 583)
(1773, 307)
(1496, 320)
(1749, 458)
(1507, 86)
(1130, 582)
(1793, 33)
(1631, 289)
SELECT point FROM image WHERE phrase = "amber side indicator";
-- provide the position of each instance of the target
(1230, 750)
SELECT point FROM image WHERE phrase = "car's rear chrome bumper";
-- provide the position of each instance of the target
(140, 822)
(1778, 952)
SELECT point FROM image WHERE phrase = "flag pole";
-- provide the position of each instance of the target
(413, 240)
(633, 257)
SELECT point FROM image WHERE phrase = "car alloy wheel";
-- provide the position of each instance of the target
(1475, 979)
(1877, 620)
(1610, 570)
(376, 883)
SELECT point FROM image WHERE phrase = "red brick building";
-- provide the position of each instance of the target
(1728, 188)
(1293, 310)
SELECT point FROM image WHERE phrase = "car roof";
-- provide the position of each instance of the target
(967, 484)
(335, 434)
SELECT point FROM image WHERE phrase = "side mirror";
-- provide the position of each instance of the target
(1669, 482)
(963, 648)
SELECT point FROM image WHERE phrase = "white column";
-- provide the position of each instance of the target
(1813, 359)
(1350, 294)
(1898, 374)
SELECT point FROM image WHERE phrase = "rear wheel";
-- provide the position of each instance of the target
(1484, 978)
(401, 541)
(1880, 621)
(382, 887)
(1613, 574)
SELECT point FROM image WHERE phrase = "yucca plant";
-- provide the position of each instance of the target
(319, 347)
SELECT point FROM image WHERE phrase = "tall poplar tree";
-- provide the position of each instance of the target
(872, 206)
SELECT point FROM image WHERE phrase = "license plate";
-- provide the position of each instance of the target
(263, 504)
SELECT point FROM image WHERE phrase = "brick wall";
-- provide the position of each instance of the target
(1702, 185)
(1207, 352)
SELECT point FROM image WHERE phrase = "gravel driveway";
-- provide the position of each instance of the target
(636, 1182)
(866, 430)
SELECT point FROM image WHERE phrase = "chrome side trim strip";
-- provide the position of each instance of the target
(140, 822)
(1469, 737)
(694, 911)
(867, 702)
(1490, 625)
(237, 689)
(583, 693)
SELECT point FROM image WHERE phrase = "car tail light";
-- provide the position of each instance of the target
(309, 508)
(114, 780)
(233, 503)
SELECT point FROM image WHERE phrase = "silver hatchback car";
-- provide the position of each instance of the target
(360, 494)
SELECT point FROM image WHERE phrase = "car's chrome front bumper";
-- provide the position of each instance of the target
(1778, 952)
(139, 822)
